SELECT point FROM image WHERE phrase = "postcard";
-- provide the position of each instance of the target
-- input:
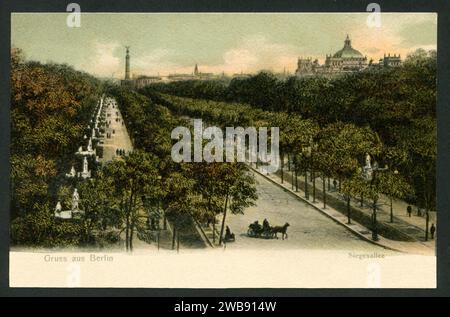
(223, 150)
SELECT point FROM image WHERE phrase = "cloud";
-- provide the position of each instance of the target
(251, 55)
(256, 53)
(262, 52)
(398, 34)
(104, 62)
(419, 33)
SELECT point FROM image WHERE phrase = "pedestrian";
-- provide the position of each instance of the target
(432, 230)
(334, 184)
(409, 210)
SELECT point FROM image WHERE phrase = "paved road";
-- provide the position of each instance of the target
(309, 229)
(119, 135)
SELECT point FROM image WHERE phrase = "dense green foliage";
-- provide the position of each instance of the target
(398, 104)
(326, 128)
(201, 190)
(50, 109)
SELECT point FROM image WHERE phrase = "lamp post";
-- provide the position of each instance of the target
(159, 178)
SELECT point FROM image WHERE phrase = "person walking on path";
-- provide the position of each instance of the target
(432, 230)
(409, 211)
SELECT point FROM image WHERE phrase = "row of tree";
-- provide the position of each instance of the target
(50, 110)
(203, 191)
(337, 150)
(398, 104)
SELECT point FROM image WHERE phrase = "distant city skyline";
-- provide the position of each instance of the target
(167, 43)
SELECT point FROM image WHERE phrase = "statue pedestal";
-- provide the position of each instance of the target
(69, 214)
(84, 175)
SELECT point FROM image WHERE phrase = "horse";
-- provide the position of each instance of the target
(283, 230)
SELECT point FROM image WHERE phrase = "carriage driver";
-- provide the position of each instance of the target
(266, 225)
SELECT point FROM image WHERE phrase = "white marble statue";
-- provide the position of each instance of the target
(85, 173)
(85, 165)
(368, 161)
(75, 199)
(58, 207)
(72, 173)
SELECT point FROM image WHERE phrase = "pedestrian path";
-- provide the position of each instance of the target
(416, 247)
(116, 135)
(412, 227)
(399, 207)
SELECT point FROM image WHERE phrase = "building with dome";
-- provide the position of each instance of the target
(346, 60)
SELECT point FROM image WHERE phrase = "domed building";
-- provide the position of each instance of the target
(346, 60)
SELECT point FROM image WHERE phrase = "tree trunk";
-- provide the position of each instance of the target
(128, 214)
(392, 210)
(131, 236)
(349, 218)
(160, 210)
(306, 184)
(329, 184)
(173, 236)
(214, 230)
(296, 179)
(127, 232)
(374, 224)
(223, 220)
(324, 193)
(282, 173)
(292, 180)
(313, 175)
(132, 223)
(159, 236)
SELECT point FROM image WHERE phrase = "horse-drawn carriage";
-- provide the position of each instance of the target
(255, 230)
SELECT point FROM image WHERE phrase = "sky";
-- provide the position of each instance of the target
(164, 43)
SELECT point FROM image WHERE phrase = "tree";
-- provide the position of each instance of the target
(98, 205)
(238, 188)
(134, 177)
(341, 146)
